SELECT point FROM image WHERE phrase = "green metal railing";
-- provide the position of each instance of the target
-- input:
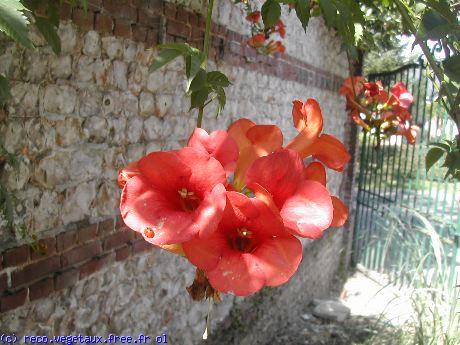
(395, 194)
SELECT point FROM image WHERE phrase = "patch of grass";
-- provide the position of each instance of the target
(428, 277)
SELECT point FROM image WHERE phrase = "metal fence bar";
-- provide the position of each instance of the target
(394, 177)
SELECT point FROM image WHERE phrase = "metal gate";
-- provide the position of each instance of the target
(397, 201)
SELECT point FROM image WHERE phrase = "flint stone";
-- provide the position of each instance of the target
(332, 310)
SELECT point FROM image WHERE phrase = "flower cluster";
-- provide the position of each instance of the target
(262, 38)
(380, 113)
(234, 202)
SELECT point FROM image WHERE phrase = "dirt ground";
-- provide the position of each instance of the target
(369, 301)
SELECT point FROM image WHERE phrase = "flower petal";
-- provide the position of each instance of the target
(308, 119)
(401, 96)
(127, 172)
(340, 212)
(164, 170)
(263, 195)
(218, 144)
(315, 171)
(279, 173)
(309, 211)
(238, 129)
(206, 253)
(174, 248)
(265, 139)
(254, 141)
(237, 273)
(356, 83)
(307, 116)
(208, 215)
(206, 171)
(143, 206)
(329, 150)
(279, 259)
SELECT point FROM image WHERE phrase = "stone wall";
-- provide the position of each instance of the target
(78, 117)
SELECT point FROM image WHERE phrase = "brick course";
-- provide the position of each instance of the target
(65, 258)
(140, 20)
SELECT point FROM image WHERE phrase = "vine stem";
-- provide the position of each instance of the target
(207, 37)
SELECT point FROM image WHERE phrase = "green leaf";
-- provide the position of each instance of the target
(222, 99)
(53, 14)
(442, 146)
(192, 64)
(329, 11)
(199, 97)
(49, 33)
(432, 157)
(433, 26)
(216, 78)
(452, 67)
(442, 7)
(5, 94)
(84, 4)
(13, 22)
(302, 10)
(184, 48)
(271, 12)
(199, 81)
(165, 56)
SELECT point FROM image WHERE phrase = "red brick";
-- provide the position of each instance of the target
(152, 38)
(95, 265)
(81, 253)
(119, 222)
(169, 39)
(139, 33)
(136, 3)
(105, 227)
(182, 15)
(118, 239)
(194, 19)
(103, 23)
(65, 11)
(85, 20)
(141, 246)
(3, 282)
(120, 9)
(46, 247)
(197, 34)
(156, 6)
(95, 5)
(176, 28)
(87, 234)
(65, 279)
(35, 271)
(13, 301)
(201, 22)
(169, 10)
(16, 256)
(214, 28)
(123, 253)
(66, 240)
(41, 289)
(145, 17)
(223, 31)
